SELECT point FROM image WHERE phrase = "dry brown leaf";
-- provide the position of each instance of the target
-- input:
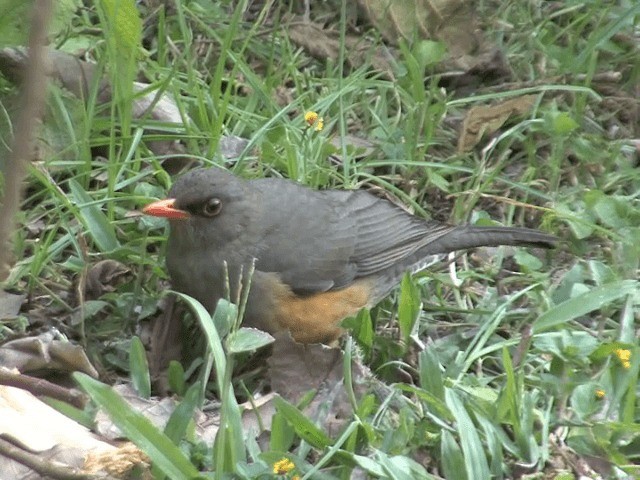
(162, 339)
(103, 277)
(325, 44)
(45, 353)
(398, 19)
(471, 58)
(357, 147)
(10, 304)
(157, 410)
(295, 369)
(486, 119)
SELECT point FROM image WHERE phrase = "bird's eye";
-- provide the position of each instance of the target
(212, 207)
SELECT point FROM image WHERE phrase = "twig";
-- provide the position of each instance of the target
(43, 466)
(39, 386)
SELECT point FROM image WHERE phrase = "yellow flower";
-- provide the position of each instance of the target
(295, 477)
(624, 356)
(600, 393)
(310, 117)
(283, 466)
(314, 120)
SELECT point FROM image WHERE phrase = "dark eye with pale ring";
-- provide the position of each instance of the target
(212, 207)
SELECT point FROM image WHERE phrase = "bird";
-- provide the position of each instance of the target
(320, 256)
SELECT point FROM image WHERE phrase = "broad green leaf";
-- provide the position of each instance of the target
(214, 343)
(303, 427)
(139, 429)
(224, 317)
(183, 414)
(96, 222)
(451, 458)
(248, 340)
(176, 377)
(408, 308)
(474, 458)
(431, 373)
(282, 434)
(584, 303)
(139, 368)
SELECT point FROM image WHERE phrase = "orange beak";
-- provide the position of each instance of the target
(165, 208)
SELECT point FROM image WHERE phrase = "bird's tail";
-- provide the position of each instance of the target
(471, 236)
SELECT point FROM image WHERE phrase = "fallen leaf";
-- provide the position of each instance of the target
(486, 119)
(45, 353)
(10, 304)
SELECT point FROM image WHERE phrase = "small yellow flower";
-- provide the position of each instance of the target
(624, 356)
(283, 466)
(600, 393)
(314, 120)
(310, 118)
(295, 477)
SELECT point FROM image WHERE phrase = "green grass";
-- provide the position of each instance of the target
(499, 370)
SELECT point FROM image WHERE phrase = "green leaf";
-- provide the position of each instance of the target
(563, 124)
(97, 224)
(369, 465)
(475, 460)
(528, 262)
(451, 458)
(247, 340)
(584, 303)
(408, 308)
(125, 21)
(139, 429)
(428, 52)
(224, 317)
(139, 368)
(303, 427)
(223, 310)
(362, 330)
(176, 377)
(431, 373)
(400, 467)
(282, 434)
(183, 414)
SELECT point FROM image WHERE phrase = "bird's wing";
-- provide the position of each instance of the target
(325, 240)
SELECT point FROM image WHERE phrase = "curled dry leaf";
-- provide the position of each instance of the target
(10, 304)
(295, 369)
(486, 119)
(324, 44)
(45, 353)
(103, 277)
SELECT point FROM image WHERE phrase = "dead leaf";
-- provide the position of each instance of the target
(232, 146)
(398, 19)
(357, 147)
(164, 343)
(486, 119)
(325, 44)
(10, 304)
(295, 369)
(157, 410)
(104, 277)
(45, 353)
